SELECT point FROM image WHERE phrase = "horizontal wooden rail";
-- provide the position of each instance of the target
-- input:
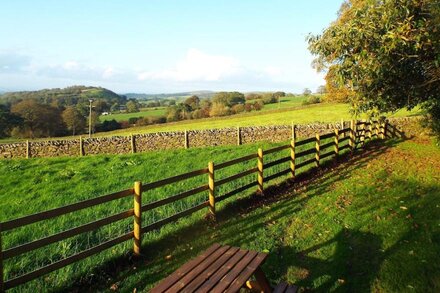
(15, 251)
(66, 261)
(277, 162)
(27, 220)
(327, 145)
(305, 163)
(347, 146)
(173, 198)
(305, 141)
(344, 139)
(173, 179)
(236, 176)
(174, 217)
(327, 135)
(305, 153)
(276, 175)
(235, 161)
(276, 149)
(234, 192)
(326, 155)
(344, 130)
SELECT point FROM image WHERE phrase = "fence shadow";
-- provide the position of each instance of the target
(118, 269)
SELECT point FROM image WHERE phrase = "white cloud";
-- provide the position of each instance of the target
(197, 66)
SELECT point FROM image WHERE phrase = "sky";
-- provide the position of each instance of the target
(161, 46)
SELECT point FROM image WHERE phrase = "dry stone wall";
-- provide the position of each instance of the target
(179, 139)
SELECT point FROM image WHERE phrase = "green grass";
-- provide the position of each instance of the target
(286, 102)
(145, 112)
(370, 225)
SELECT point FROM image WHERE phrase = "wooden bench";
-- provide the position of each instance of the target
(218, 269)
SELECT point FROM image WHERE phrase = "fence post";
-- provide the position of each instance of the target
(317, 146)
(385, 124)
(137, 227)
(352, 140)
(28, 149)
(292, 157)
(370, 130)
(293, 131)
(336, 143)
(133, 144)
(362, 135)
(2, 284)
(81, 150)
(260, 167)
(342, 126)
(211, 186)
(186, 139)
(238, 135)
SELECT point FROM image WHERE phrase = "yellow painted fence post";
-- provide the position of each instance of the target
(211, 185)
(336, 143)
(352, 140)
(260, 167)
(292, 157)
(137, 227)
(317, 146)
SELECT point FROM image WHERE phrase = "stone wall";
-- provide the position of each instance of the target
(194, 138)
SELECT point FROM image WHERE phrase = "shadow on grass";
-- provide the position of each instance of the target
(315, 181)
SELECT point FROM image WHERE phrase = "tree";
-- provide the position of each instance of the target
(193, 102)
(228, 98)
(8, 121)
(132, 106)
(38, 120)
(385, 54)
(307, 92)
(219, 109)
(321, 90)
(74, 120)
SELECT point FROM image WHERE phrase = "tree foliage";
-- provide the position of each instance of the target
(383, 55)
(74, 120)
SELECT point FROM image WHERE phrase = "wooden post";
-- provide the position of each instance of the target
(260, 167)
(377, 129)
(370, 130)
(137, 225)
(2, 283)
(211, 186)
(362, 138)
(186, 139)
(81, 147)
(342, 126)
(292, 157)
(317, 146)
(133, 144)
(238, 136)
(336, 143)
(385, 124)
(352, 140)
(28, 149)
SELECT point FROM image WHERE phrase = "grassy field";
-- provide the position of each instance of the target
(299, 115)
(34, 185)
(371, 224)
(144, 112)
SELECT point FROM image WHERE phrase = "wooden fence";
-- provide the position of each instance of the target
(356, 135)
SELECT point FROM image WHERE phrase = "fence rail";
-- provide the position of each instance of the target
(358, 133)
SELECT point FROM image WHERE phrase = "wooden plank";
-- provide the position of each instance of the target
(305, 141)
(327, 154)
(14, 251)
(281, 287)
(342, 131)
(260, 166)
(66, 261)
(175, 217)
(234, 192)
(277, 149)
(174, 198)
(327, 135)
(279, 174)
(248, 271)
(305, 153)
(236, 176)
(235, 161)
(137, 219)
(213, 268)
(174, 277)
(327, 145)
(234, 273)
(211, 188)
(227, 267)
(23, 221)
(277, 162)
(197, 270)
(305, 163)
(344, 139)
(173, 179)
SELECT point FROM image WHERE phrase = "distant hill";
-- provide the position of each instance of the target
(200, 94)
(66, 96)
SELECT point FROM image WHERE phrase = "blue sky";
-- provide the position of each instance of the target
(160, 46)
